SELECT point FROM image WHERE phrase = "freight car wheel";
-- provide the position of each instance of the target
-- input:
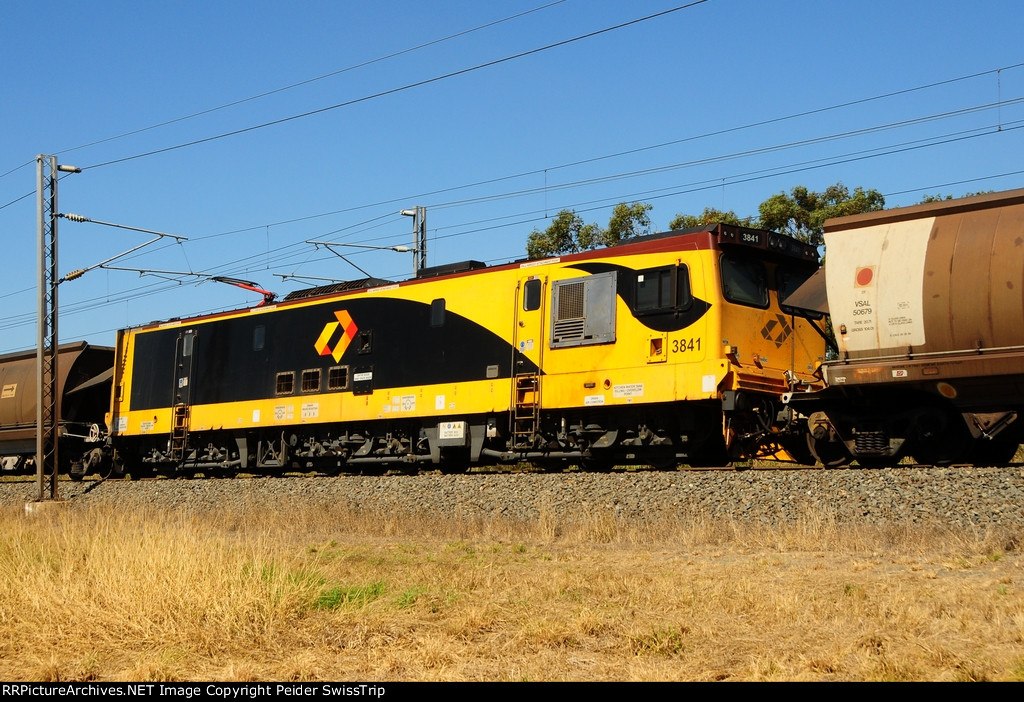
(831, 454)
(941, 437)
(941, 451)
(993, 452)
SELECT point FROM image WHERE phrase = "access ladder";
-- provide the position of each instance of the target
(526, 411)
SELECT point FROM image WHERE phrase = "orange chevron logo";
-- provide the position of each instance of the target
(348, 332)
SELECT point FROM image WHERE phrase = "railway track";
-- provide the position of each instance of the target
(496, 470)
(962, 497)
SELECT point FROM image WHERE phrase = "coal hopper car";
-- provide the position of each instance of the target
(83, 381)
(927, 307)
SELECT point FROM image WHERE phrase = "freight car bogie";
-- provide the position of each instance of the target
(995, 451)
(893, 426)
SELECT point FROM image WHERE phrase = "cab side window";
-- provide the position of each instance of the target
(661, 290)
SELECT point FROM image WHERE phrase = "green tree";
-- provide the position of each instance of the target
(939, 197)
(628, 221)
(802, 213)
(710, 216)
(568, 233)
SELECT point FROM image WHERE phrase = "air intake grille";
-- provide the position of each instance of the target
(570, 302)
(584, 311)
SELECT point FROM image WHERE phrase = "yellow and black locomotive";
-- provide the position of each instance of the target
(672, 348)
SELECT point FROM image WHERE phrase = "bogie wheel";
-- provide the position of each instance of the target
(454, 461)
(941, 439)
(994, 452)
(831, 454)
(453, 467)
(711, 454)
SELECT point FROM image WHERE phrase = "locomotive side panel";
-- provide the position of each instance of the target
(321, 362)
(648, 322)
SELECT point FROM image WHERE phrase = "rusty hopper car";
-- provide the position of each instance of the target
(84, 385)
(927, 306)
(672, 348)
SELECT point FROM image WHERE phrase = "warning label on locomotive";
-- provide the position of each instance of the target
(628, 390)
(403, 403)
(451, 430)
(708, 383)
(591, 400)
(875, 279)
(310, 410)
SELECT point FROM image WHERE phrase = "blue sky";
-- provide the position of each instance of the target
(657, 111)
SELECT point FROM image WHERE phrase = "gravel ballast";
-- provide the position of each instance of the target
(961, 497)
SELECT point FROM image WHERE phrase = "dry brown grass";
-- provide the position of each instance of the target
(295, 595)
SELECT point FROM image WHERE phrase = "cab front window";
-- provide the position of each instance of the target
(744, 281)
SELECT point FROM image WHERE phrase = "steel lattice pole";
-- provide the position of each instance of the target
(47, 395)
